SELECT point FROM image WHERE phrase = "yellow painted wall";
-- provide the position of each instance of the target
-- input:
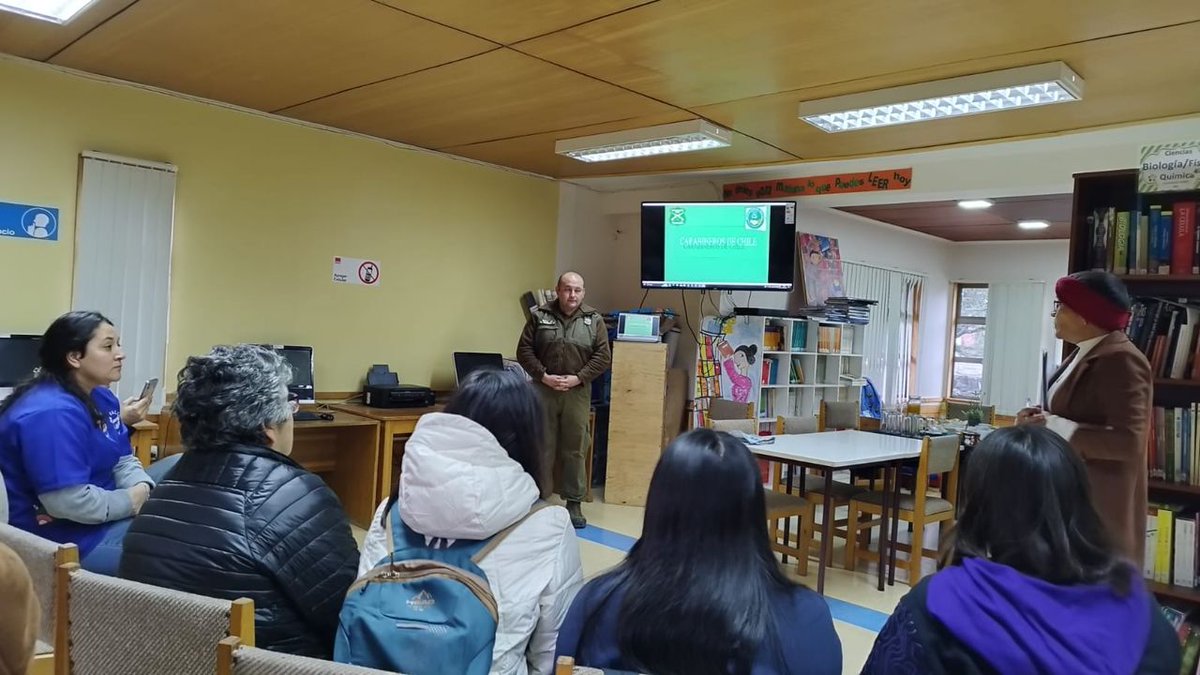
(262, 207)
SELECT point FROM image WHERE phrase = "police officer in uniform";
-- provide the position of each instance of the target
(563, 348)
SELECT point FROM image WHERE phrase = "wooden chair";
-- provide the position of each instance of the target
(957, 410)
(108, 625)
(234, 658)
(170, 442)
(566, 666)
(813, 487)
(42, 558)
(836, 415)
(724, 409)
(780, 505)
(939, 456)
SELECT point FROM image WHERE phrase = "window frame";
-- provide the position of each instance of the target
(957, 319)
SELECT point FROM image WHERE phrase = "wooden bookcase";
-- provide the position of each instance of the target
(1119, 189)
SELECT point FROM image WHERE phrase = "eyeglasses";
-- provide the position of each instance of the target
(1054, 310)
(293, 403)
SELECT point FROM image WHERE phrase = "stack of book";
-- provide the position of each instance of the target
(1157, 240)
(849, 310)
(1171, 454)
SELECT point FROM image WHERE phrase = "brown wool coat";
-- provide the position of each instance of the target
(1110, 395)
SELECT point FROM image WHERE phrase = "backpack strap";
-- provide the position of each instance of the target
(499, 537)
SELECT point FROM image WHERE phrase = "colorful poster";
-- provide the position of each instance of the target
(729, 364)
(821, 262)
(834, 184)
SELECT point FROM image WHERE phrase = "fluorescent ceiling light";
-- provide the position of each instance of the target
(975, 204)
(1033, 224)
(54, 11)
(646, 141)
(1023, 87)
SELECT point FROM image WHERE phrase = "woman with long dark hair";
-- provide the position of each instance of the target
(68, 466)
(701, 592)
(1031, 580)
(1100, 401)
(470, 472)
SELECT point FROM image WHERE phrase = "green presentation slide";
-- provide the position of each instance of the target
(717, 244)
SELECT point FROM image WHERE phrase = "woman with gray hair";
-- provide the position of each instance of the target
(237, 517)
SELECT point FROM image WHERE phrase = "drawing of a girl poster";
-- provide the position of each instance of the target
(821, 261)
(738, 351)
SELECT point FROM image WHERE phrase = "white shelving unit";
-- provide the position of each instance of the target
(807, 368)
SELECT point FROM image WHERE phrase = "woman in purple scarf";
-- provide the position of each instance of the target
(1031, 582)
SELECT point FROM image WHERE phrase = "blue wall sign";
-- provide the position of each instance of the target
(24, 221)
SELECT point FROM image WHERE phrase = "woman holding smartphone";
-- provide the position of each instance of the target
(1100, 401)
(69, 470)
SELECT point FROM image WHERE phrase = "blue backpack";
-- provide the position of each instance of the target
(426, 609)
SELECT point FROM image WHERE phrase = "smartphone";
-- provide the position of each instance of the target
(148, 389)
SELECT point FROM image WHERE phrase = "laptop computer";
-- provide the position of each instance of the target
(466, 363)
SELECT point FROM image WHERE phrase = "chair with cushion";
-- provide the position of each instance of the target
(939, 457)
(42, 558)
(724, 409)
(780, 506)
(110, 625)
(958, 410)
(233, 658)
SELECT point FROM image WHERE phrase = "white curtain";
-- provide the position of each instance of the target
(123, 259)
(1013, 345)
(887, 341)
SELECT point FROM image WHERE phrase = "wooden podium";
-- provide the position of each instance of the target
(642, 418)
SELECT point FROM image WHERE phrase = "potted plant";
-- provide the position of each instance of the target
(974, 415)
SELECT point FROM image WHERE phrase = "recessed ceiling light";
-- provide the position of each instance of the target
(975, 203)
(1033, 224)
(54, 11)
(646, 141)
(1023, 87)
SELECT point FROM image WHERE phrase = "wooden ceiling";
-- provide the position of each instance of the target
(999, 223)
(502, 81)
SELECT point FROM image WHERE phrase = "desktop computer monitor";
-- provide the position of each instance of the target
(18, 358)
(466, 363)
(301, 361)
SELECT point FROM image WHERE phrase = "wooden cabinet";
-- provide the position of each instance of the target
(638, 426)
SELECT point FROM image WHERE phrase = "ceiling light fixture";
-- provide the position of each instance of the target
(54, 11)
(646, 141)
(1009, 89)
(1033, 224)
(974, 204)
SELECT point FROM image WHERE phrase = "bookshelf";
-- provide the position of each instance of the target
(811, 361)
(1167, 298)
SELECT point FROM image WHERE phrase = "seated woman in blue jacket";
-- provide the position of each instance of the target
(1032, 582)
(701, 592)
(237, 517)
(69, 471)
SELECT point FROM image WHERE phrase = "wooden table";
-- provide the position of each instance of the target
(393, 423)
(835, 450)
(344, 451)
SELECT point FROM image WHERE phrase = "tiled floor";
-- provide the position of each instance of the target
(859, 610)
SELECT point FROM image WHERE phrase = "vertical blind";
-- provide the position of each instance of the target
(1013, 345)
(123, 259)
(888, 344)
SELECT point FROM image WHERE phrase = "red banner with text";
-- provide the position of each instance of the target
(841, 183)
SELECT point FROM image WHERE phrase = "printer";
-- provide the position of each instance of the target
(383, 390)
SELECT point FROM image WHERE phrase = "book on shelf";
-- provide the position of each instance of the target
(1187, 627)
(1171, 554)
(799, 336)
(1172, 453)
(829, 339)
(1157, 240)
(797, 372)
(1167, 332)
(770, 370)
(773, 338)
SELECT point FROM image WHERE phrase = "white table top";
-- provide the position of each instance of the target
(839, 449)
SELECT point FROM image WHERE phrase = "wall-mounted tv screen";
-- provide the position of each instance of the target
(719, 245)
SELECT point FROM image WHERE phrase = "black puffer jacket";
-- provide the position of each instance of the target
(249, 522)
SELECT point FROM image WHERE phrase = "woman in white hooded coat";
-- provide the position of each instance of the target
(468, 473)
